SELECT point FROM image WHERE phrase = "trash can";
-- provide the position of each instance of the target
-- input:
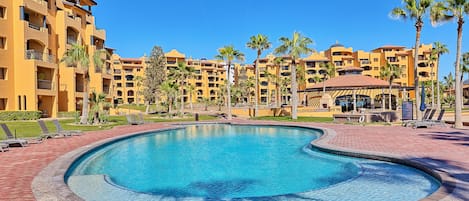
(196, 116)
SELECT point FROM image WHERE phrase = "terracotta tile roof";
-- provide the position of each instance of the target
(174, 54)
(353, 81)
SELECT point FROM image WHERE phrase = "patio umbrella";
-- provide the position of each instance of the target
(422, 102)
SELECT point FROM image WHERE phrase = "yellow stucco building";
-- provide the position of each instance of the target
(207, 79)
(34, 35)
(274, 90)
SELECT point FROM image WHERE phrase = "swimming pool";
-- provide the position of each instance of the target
(228, 161)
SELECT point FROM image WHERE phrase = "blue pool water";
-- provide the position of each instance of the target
(226, 161)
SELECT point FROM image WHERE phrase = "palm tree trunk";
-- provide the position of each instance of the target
(181, 92)
(190, 99)
(433, 89)
(438, 98)
(84, 114)
(390, 95)
(228, 86)
(256, 95)
(458, 95)
(294, 90)
(418, 26)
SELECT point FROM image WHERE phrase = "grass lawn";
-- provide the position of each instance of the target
(300, 119)
(32, 129)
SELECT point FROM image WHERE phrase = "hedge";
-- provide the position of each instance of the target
(19, 115)
(68, 114)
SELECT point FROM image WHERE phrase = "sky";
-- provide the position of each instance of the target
(199, 28)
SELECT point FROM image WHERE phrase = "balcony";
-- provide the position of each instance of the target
(39, 56)
(117, 71)
(106, 89)
(34, 31)
(71, 20)
(39, 6)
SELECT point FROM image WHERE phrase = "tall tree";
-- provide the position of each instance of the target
(180, 74)
(138, 82)
(415, 10)
(77, 55)
(278, 62)
(259, 43)
(330, 70)
(190, 90)
(229, 54)
(442, 12)
(169, 89)
(294, 47)
(389, 73)
(155, 75)
(438, 50)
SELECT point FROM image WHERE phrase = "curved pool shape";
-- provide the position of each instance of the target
(228, 161)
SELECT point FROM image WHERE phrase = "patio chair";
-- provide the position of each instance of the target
(133, 119)
(439, 121)
(61, 130)
(47, 134)
(12, 140)
(429, 113)
(4, 147)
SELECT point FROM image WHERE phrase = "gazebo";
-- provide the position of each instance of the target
(350, 89)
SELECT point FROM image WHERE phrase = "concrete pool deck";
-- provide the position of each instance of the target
(442, 149)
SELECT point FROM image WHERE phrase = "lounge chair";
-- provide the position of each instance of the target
(47, 134)
(12, 140)
(4, 147)
(68, 132)
(439, 121)
(429, 113)
(133, 119)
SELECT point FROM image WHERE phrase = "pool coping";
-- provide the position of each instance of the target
(49, 184)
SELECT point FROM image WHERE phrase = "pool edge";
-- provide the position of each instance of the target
(49, 184)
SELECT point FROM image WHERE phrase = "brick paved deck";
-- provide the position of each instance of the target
(443, 149)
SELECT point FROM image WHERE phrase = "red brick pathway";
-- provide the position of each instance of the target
(441, 148)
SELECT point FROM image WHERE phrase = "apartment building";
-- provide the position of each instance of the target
(313, 68)
(207, 80)
(128, 79)
(34, 34)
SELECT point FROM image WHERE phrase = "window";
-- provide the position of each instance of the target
(375, 68)
(3, 103)
(138, 69)
(3, 42)
(117, 77)
(3, 12)
(375, 59)
(119, 84)
(3, 73)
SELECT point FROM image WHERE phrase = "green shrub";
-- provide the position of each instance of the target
(19, 115)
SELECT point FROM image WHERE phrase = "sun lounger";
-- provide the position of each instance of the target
(12, 140)
(438, 122)
(4, 147)
(134, 119)
(47, 134)
(68, 132)
(429, 113)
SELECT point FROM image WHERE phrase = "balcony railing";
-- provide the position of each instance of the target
(44, 84)
(40, 56)
(106, 90)
(117, 71)
(71, 41)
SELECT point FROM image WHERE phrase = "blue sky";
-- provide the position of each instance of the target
(199, 28)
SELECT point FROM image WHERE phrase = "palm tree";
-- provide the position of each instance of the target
(416, 10)
(330, 73)
(170, 90)
(438, 50)
(294, 47)
(229, 53)
(78, 54)
(278, 61)
(190, 90)
(139, 81)
(259, 43)
(284, 88)
(389, 73)
(98, 101)
(449, 84)
(443, 12)
(248, 86)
